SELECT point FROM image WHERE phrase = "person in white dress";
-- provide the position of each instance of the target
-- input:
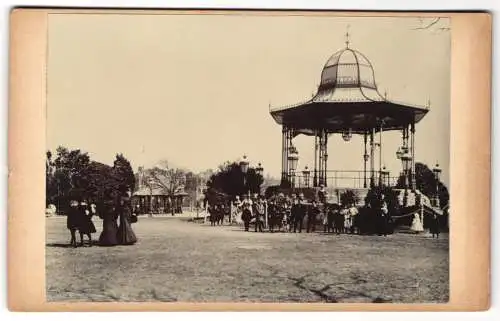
(416, 224)
(236, 211)
(347, 219)
(353, 212)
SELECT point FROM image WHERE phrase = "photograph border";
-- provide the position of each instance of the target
(470, 167)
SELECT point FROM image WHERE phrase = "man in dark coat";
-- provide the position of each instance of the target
(434, 225)
(74, 221)
(312, 215)
(258, 210)
(246, 215)
(298, 213)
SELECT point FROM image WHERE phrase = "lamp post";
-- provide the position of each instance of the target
(437, 172)
(244, 169)
(306, 172)
(385, 177)
(366, 157)
(293, 159)
(405, 158)
(380, 176)
(259, 169)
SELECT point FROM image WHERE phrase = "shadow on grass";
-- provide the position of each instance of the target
(86, 244)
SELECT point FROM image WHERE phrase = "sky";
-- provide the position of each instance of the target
(196, 89)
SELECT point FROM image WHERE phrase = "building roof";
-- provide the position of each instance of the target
(347, 98)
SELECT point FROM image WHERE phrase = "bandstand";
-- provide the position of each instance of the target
(348, 103)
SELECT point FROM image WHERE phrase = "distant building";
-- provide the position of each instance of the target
(151, 200)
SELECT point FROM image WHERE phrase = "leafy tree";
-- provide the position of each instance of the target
(426, 183)
(231, 181)
(348, 198)
(69, 179)
(102, 183)
(123, 174)
(374, 198)
(193, 183)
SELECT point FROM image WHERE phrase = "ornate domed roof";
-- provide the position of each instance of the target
(347, 68)
(347, 97)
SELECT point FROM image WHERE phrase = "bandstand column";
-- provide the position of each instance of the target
(315, 178)
(365, 160)
(288, 146)
(380, 155)
(325, 158)
(320, 158)
(403, 162)
(413, 176)
(284, 155)
(372, 158)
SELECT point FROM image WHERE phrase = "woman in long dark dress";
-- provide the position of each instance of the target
(87, 226)
(109, 232)
(126, 235)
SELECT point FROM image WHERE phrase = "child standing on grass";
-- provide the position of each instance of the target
(434, 226)
(416, 224)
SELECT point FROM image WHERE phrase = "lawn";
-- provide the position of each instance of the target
(176, 260)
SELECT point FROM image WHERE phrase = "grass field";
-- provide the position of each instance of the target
(176, 260)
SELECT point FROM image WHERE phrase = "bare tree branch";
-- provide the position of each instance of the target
(167, 179)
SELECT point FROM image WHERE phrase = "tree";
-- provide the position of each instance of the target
(193, 182)
(124, 175)
(69, 178)
(374, 197)
(426, 183)
(348, 198)
(231, 181)
(165, 178)
(102, 183)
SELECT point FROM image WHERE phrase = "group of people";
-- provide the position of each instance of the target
(79, 219)
(289, 214)
(294, 213)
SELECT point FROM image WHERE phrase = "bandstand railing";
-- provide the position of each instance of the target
(346, 179)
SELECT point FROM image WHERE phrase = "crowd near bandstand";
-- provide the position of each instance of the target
(295, 214)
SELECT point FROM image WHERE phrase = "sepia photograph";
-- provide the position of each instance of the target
(247, 157)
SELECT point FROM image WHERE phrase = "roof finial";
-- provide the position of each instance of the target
(347, 37)
(428, 103)
(385, 95)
